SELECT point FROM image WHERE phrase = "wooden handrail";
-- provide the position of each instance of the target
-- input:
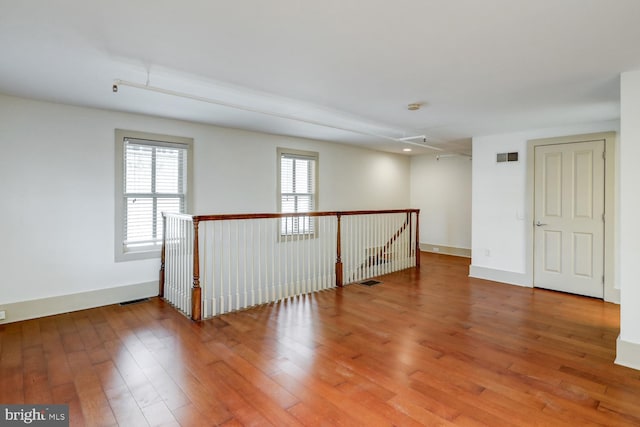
(224, 217)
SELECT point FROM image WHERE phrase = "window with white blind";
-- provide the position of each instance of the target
(297, 172)
(152, 176)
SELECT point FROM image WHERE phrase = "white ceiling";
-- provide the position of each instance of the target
(479, 66)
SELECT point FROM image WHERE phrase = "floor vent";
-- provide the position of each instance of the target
(370, 282)
(134, 301)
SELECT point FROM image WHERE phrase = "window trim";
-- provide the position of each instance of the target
(302, 153)
(120, 254)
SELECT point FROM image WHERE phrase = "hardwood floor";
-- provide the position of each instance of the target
(436, 348)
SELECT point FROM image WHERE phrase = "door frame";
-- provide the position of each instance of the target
(611, 293)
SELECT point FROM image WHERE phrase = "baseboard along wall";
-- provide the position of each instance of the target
(32, 309)
(627, 354)
(509, 277)
(445, 250)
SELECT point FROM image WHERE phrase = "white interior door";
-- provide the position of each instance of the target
(569, 218)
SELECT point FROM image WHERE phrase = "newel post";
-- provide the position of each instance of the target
(196, 292)
(162, 256)
(338, 256)
(418, 239)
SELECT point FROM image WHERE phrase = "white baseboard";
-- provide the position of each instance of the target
(445, 250)
(612, 295)
(509, 277)
(628, 354)
(32, 309)
(520, 279)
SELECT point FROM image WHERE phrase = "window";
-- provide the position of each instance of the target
(297, 173)
(152, 176)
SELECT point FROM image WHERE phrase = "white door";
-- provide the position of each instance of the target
(569, 218)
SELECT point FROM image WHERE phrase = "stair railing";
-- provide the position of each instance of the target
(213, 264)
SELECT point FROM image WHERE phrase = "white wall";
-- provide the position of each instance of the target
(500, 242)
(441, 189)
(57, 171)
(628, 352)
(350, 178)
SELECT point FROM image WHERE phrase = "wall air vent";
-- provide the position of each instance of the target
(134, 301)
(507, 157)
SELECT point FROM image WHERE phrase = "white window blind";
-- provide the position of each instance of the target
(154, 182)
(297, 191)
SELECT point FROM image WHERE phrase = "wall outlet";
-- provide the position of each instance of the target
(3, 314)
(435, 249)
(487, 252)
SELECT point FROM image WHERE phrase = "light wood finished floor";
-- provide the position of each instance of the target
(436, 348)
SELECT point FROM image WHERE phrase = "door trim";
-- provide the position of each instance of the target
(611, 293)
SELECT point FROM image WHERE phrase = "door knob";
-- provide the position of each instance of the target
(539, 224)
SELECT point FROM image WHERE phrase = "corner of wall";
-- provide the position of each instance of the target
(627, 354)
